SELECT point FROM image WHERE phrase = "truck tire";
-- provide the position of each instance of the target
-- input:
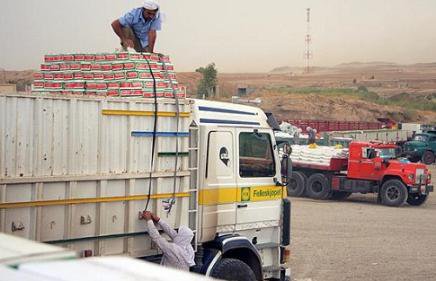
(416, 199)
(318, 186)
(428, 157)
(393, 193)
(232, 269)
(339, 195)
(297, 184)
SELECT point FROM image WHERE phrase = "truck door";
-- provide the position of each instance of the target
(367, 166)
(218, 195)
(259, 199)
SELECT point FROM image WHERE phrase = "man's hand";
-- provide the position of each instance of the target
(127, 43)
(154, 217)
(147, 215)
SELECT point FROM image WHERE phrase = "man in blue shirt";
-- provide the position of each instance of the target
(137, 28)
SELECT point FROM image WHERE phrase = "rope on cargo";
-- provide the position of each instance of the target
(173, 198)
(154, 133)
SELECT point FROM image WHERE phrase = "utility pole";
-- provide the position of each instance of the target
(308, 52)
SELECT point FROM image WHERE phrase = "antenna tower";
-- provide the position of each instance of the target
(308, 52)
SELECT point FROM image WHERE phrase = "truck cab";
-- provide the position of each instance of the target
(241, 195)
(398, 179)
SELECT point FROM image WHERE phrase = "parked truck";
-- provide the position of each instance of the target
(422, 147)
(370, 167)
(75, 171)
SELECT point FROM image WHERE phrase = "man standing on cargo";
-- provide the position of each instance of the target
(178, 253)
(138, 28)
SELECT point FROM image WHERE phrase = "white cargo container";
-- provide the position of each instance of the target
(76, 171)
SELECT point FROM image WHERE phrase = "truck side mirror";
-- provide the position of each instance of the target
(286, 169)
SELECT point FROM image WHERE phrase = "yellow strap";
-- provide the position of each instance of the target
(117, 112)
(89, 200)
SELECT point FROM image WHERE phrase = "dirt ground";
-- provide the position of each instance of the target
(358, 239)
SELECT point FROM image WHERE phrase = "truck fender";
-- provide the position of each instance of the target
(231, 246)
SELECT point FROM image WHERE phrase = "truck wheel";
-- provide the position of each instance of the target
(318, 186)
(340, 195)
(393, 193)
(416, 199)
(297, 184)
(428, 157)
(232, 269)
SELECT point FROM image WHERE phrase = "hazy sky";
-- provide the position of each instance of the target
(238, 35)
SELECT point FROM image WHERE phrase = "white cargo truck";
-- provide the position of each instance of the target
(75, 171)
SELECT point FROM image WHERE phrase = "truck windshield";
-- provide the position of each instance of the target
(255, 155)
(423, 138)
(388, 153)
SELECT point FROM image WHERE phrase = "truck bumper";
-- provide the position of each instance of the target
(423, 189)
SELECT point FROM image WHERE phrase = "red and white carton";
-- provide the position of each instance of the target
(141, 66)
(108, 76)
(101, 86)
(113, 85)
(78, 75)
(89, 57)
(144, 75)
(68, 58)
(98, 76)
(110, 57)
(151, 57)
(38, 76)
(38, 84)
(53, 85)
(106, 67)
(53, 58)
(121, 75)
(136, 56)
(85, 66)
(123, 56)
(95, 66)
(125, 85)
(88, 76)
(75, 66)
(91, 85)
(137, 85)
(112, 92)
(55, 67)
(79, 57)
(100, 57)
(58, 76)
(126, 92)
(132, 75)
(168, 67)
(74, 85)
(117, 66)
(48, 76)
(129, 65)
(68, 76)
(64, 66)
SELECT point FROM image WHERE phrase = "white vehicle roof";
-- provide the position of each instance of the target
(16, 250)
(213, 113)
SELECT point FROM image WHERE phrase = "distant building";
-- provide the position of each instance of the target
(8, 88)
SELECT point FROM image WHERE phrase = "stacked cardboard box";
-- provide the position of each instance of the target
(108, 74)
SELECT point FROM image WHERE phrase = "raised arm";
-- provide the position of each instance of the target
(168, 229)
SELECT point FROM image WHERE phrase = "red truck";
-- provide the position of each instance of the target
(371, 167)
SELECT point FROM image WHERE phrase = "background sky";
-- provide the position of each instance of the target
(238, 35)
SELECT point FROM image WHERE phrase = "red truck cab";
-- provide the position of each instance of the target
(371, 167)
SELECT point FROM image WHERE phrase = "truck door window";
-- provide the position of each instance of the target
(255, 155)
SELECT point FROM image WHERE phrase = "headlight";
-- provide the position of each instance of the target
(415, 149)
(411, 176)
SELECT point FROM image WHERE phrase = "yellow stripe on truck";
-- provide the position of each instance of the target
(223, 195)
(90, 200)
(119, 112)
